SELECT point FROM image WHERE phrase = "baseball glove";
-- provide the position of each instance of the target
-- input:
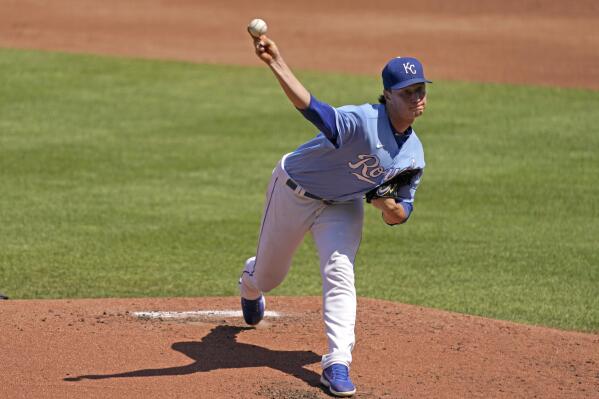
(390, 189)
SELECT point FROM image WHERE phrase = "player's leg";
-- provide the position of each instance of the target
(286, 219)
(337, 232)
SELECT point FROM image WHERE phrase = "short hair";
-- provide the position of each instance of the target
(382, 99)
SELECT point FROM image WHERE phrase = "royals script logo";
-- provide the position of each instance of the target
(369, 167)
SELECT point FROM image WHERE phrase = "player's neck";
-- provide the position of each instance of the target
(400, 125)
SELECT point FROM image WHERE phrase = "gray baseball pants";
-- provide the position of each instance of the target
(337, 230)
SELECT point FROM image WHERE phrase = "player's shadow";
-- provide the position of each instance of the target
(220, 350)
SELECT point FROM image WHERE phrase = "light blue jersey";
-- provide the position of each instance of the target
(367, 153)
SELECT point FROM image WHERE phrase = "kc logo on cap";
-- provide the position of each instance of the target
(402, 72)
(410, 68)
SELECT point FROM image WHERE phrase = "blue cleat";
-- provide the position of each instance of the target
(336, 378)
(253, 310)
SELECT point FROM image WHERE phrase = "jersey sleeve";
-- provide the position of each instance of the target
(349, 120)
(337, 124)
(322, 115)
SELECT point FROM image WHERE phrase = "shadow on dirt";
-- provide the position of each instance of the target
(220, 350)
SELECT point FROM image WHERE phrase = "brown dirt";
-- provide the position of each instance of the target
(531, 42)
(95, 348)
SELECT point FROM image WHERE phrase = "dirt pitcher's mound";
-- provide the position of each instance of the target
(202, 349)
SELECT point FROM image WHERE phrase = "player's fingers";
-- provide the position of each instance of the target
(255, 40)
(260, 47)
(268, 45)
(265, 45)
(266, 41)
(258, 43)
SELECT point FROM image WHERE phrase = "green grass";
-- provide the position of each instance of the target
(123, 178)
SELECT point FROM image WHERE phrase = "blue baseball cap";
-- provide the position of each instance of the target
(402, 72)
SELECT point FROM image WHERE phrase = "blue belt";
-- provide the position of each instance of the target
(293, 185)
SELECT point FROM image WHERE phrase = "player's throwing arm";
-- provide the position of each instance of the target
(267, 51)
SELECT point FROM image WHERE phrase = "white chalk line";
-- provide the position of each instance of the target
(198, 314)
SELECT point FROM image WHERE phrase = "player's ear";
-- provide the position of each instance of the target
(387, 94)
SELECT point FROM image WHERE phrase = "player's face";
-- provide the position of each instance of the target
(409, 102)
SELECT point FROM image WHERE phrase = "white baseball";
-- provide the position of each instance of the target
(257, 27)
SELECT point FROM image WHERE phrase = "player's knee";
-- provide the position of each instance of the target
(267, 286)
(339, 268)
(266, 282)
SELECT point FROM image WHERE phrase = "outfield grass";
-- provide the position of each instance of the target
(124, 178)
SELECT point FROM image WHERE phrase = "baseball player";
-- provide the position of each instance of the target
(360, 150)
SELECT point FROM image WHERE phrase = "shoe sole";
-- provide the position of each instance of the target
(256, 323)
(327, 384)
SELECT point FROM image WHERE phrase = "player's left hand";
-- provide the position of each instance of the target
(392, 212)
(383, 203)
